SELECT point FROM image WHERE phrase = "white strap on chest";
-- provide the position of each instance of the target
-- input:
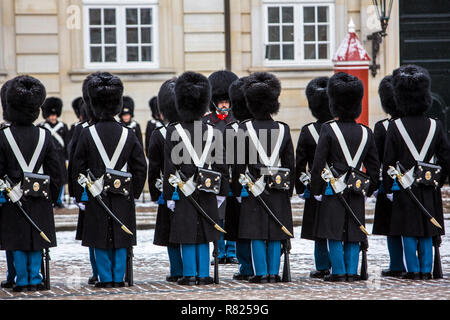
(132, 124)
(163, 132)
(85, 124)
(410, 144)
(314, 133)
(18, 154)
(351, 162)
(386, 124)
(199, 162)
(54, 132)
(110, 163)
(275, 157)
(235, 126)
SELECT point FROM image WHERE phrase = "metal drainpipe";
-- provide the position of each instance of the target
(227, 35)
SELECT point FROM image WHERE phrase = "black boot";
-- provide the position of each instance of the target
(319, 274)
(353, 278)
(259, 279)
(240, 277)
(412, 276)
(93, 280)
(7, 285)
(187, 281)
(233, 260)
(104, 285)
(20, 288)
(335, 278)
(426, 276)
(173, 278)
(118, 284)
(203, 281)
(391, 273)
(274, 278)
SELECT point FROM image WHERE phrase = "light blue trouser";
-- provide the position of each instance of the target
(321, 256)
(195, 259)
(93, 264)
(61, 195)
(266, 257)
(176, 264)
(111, 264)
(344, 257)
(244, 256)
(11, 272)
(395, 249)
(412, 262)
(28, 267)
(227, 249)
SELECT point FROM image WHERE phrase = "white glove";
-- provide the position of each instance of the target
(302, 196)
(171, 205)
(390, 196)
(318, 198)
(80, 205)
(220, 200)
(239, 199)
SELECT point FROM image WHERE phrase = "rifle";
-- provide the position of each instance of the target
(129, 277)
(286, 266)
(437, 266)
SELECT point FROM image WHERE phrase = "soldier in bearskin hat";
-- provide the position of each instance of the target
(166, 102)
(344, 147)
(51, 111)
(11, 271)
(233, 132)
(262, 91)
(412, 142)
(117, 164)
(220, 117)
(317, 95)
(185, 162)
(76, 107)
(152, 124)
(28, 152)
(383, 206)
(126, 118)
(89, 118)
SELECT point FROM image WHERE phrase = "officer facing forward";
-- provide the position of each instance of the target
(112, 152)
(412, 141)
(317, 95)
(383, 206)
(126, 118)
(262, 91)
(155, 123)
(28, 153)
(344, 146)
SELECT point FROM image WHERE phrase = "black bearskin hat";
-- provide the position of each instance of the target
(76, 103)
(220, 82)
(166, 101)
(86, 98)
(386, 93)
(105, 93)
(154, 109)
(193, 94)
(128, 106)
(4, 100)
(84, 114)
(238, 104)
(52, 105)
(317, 95)
(412, 90)
(24, 97)
(262, 91)
(345, 93)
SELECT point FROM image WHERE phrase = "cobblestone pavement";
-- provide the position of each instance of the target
(70, 270)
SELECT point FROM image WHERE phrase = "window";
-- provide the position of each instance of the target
(120, 35)
(298, 33)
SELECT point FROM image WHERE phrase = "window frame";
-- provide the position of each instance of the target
(121, 34)
(299, 43)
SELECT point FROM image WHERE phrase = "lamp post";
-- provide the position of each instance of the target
(383, 9)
